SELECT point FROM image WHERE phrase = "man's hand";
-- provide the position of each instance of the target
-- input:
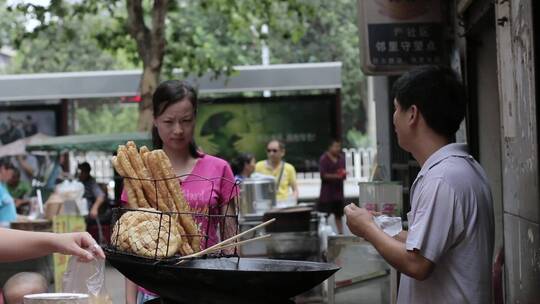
(342, 173)
(94, 212)
(359, 220)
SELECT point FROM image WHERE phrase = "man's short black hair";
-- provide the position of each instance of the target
(6, 164)
(84, 167)
(438, 94)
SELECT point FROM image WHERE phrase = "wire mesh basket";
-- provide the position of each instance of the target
(165, 234)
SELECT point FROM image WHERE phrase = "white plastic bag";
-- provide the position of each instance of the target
(70, 190)
(87, 278)
(391, 225)
(72, 193)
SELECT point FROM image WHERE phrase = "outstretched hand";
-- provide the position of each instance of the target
(79, 244)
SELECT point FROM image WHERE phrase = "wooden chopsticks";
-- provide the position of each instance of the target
(243, 242)
(228, 243)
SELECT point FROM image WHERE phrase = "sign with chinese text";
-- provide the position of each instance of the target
(399, 34)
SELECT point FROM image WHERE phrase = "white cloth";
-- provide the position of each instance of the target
(451, 224)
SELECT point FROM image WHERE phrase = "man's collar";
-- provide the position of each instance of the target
(269, 164)
(453, 149)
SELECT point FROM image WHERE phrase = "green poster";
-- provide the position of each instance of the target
(227, 127)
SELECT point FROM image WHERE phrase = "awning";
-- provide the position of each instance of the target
(18, 147)
(90, 142)
(46, 87)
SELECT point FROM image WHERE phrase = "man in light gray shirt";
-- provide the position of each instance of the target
(446, 255)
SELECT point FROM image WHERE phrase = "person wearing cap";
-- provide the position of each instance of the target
(92, 192)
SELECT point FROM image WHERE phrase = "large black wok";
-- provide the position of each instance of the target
(222, 280)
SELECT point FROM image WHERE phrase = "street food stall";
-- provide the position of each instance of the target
(164, 244)
(64, 215)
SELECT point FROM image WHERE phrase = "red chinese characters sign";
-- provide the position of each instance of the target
(398, 34)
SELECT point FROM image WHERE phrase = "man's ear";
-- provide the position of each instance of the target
(413, 115)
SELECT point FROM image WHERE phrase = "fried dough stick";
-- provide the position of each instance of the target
(130, 175)
(164, 198)
(142, 173)
(132, 196)
(154, 161)
(159, 186)
(179, 200)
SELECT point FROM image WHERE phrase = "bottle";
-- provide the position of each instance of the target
(323, 236)
(325, 230)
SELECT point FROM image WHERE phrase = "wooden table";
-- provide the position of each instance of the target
(33, 225)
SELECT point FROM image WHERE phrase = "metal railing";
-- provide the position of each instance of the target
(358, 161)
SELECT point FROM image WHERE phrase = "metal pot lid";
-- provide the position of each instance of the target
(249, 181)
(295, 209)
(57, 296)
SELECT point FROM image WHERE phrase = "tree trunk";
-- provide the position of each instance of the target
(151, 48)
(149, 82)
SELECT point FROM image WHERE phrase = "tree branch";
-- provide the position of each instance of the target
(159, 13)
(138, 29)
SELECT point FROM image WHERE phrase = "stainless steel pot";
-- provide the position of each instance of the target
(293, 245)
(257, 196)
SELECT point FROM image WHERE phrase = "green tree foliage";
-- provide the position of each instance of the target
(66, 48)
(65, 45)
(331, 35)
(107, 118)
(199, 36)
(149, 30)
(11, 23)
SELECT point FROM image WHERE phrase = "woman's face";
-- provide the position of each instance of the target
(176, 125)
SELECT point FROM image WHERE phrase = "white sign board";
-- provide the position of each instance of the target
(396, 35)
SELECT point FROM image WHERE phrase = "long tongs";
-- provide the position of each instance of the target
(228, 243)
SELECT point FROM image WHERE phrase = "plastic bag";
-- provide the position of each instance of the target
(72, 193)
(70, 190)
(391, 225)
(87, 278)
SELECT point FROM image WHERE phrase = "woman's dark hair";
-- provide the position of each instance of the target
(240, 162)
(438, 94)
(168, 93)
(333, 141)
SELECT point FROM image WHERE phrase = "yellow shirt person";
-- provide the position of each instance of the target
(288, 178)
(272, 166)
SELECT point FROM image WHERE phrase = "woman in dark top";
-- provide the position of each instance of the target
(332, 169)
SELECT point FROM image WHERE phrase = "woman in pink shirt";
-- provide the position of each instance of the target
(207, 181)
